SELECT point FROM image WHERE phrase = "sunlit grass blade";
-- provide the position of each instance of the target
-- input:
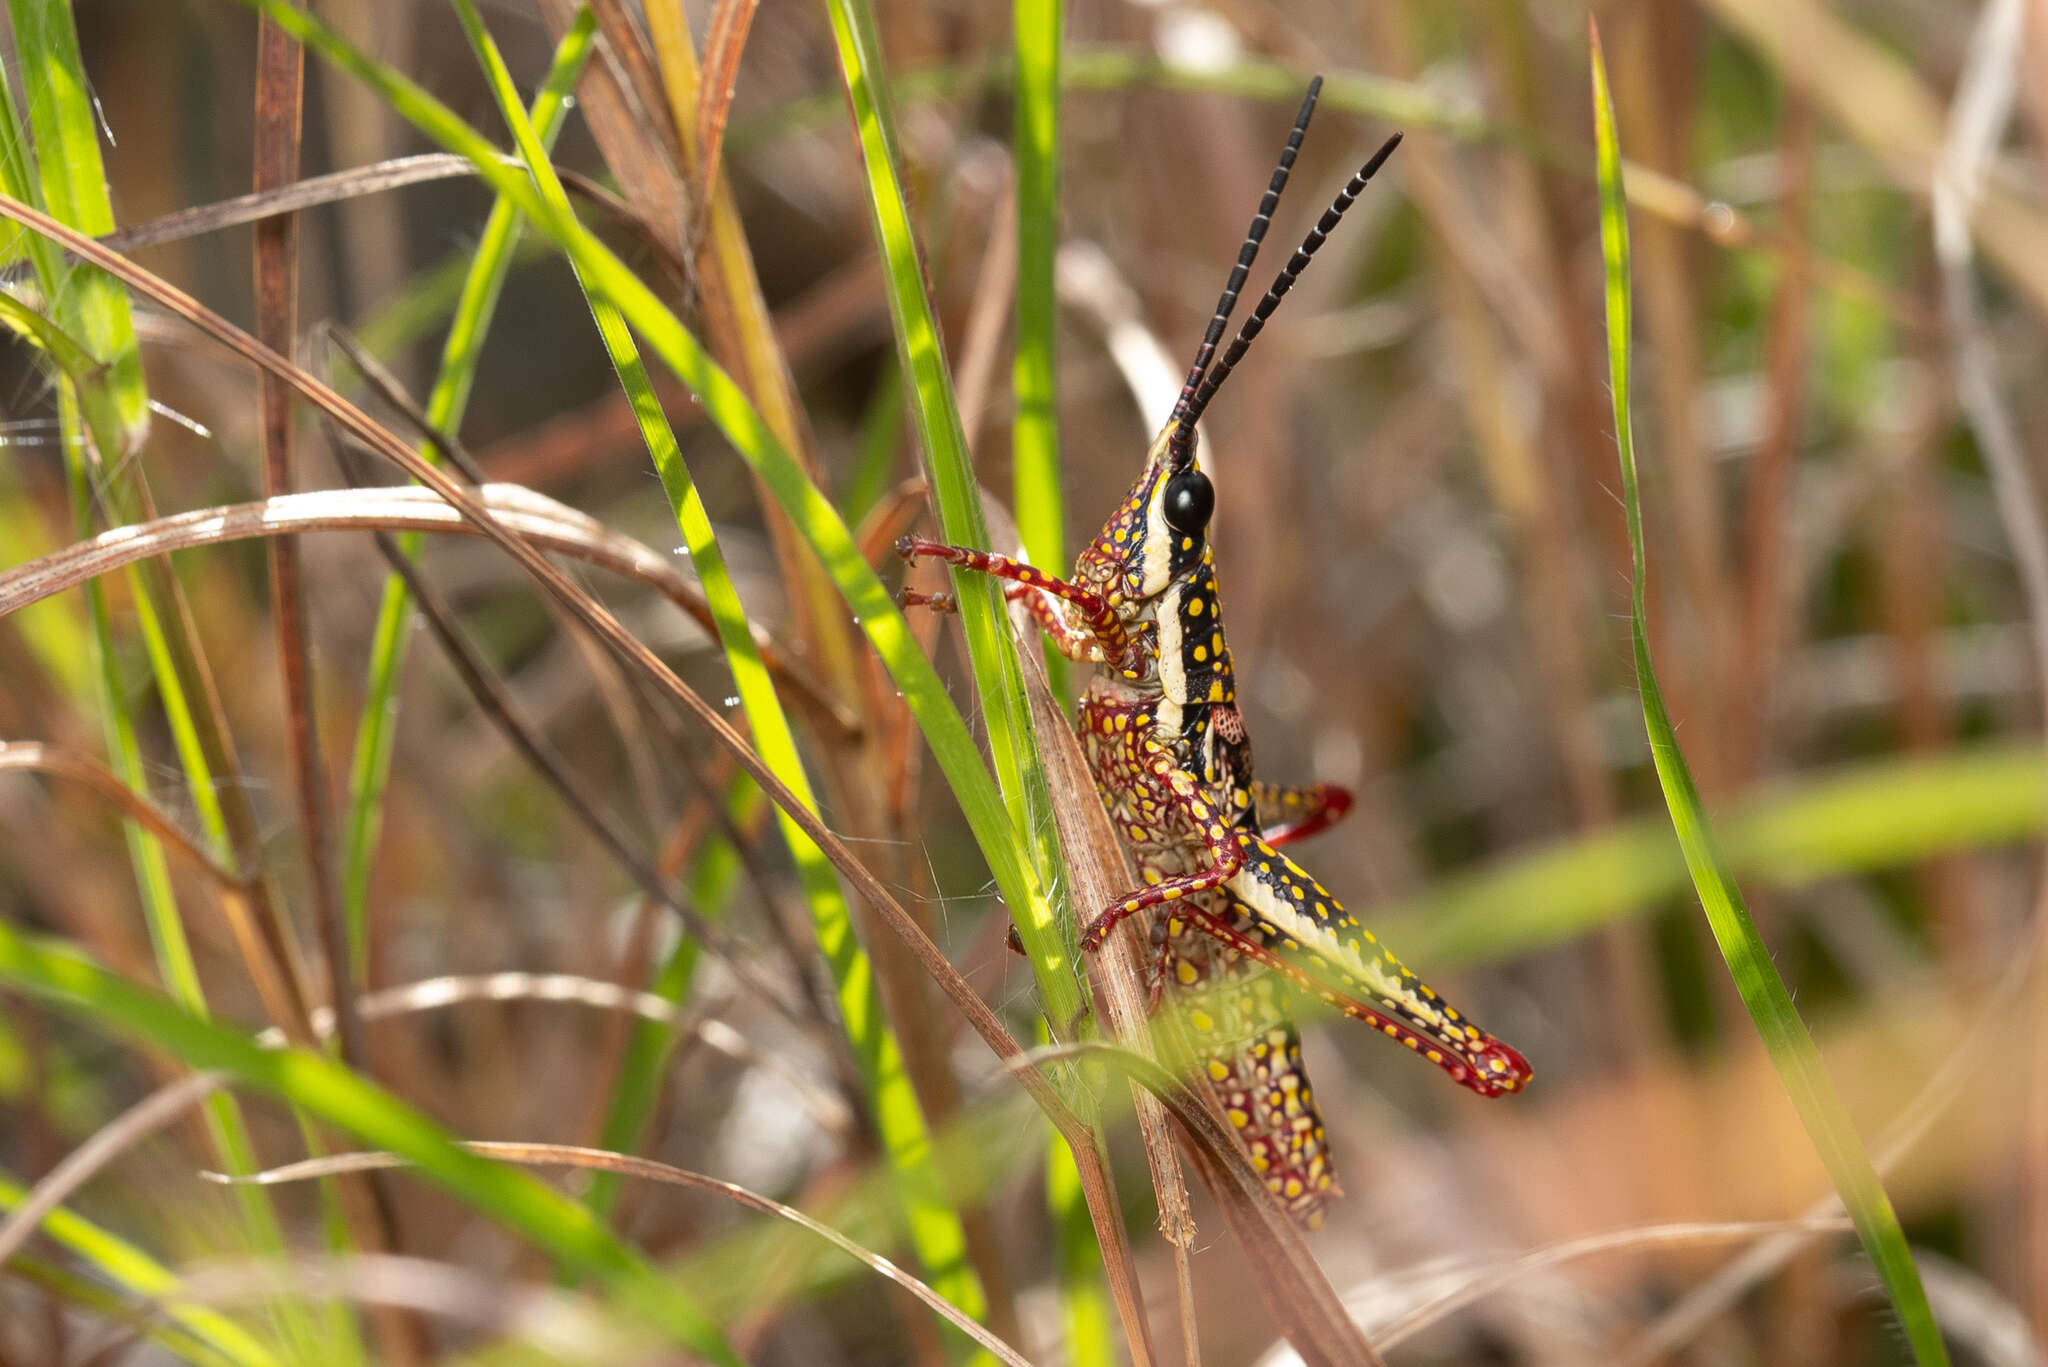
(1084, 1298)
(65, 121)
(934, 1225)
(482, 285)
(1763, 992)
(1887, 813)
(318, 1085)
(122, 1264)
(956, 494)
(1035, 432)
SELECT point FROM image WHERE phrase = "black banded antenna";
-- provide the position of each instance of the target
(1254, 235)
(1190, 409)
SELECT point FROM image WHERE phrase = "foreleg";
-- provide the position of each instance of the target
(1098, 620)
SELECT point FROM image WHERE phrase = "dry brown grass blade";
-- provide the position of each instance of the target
(599, 620)
(561, 1325)
(235, 890)
(634, 137)
(550, 525)
(724, 41)
(36, 757)
(1490, 1278)
(988, 315)
(1095, 862)
(646, 1169)
(280, 109)
(280, 102)
(831, 1112)
(388, 389)
(298, 195)
(107, 1143)
(1292, 1282)
(1787, 349)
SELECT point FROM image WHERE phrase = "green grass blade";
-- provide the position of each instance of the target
(65, 122)
(482, 286)
(1084, 1295)
(1884, 814)
(957, 495)
(558, 1226)
(88, 334)
(94, 1298)
(1035, 430)
(128, 1267)
(934, 1225)
(1770, 1008)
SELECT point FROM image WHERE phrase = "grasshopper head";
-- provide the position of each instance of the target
(1160, 528)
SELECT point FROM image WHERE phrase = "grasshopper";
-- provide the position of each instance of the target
(1160, 725)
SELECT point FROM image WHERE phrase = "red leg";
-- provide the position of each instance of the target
(1068, 637)
(1297, 813)
(1100, 619)
(1182, 796)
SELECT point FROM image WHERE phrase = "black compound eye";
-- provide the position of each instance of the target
(1189, 500)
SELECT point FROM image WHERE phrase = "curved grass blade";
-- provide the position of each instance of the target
(1770, 1008)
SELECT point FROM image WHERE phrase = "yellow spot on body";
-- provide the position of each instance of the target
(1217, 1071)
(1201, 654)
(1239, 1118)
(1202, 1021)
(1216, 691)
(1185, 971)
(1194, 607)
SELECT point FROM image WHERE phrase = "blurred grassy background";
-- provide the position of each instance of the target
(1421, 549)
